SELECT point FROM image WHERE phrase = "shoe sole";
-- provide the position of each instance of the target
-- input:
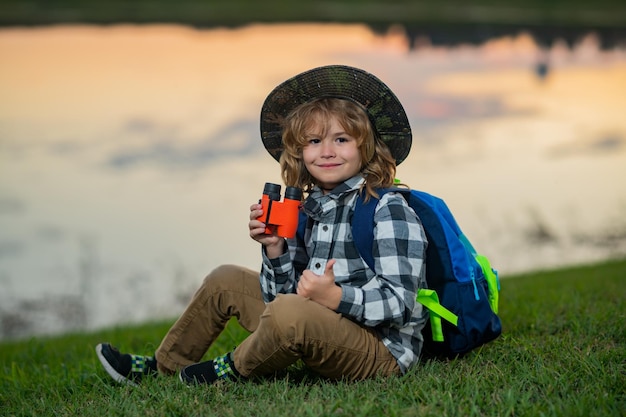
(183, 379)
(110, 370)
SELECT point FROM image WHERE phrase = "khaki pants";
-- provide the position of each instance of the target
(283, 331)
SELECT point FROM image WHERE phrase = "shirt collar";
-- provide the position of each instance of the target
(353, 183)
(313, 203)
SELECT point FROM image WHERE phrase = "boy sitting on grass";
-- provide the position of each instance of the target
(337, 132)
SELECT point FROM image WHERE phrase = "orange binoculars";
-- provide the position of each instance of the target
(280, 217)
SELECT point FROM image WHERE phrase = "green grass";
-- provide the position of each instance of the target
(563, 352)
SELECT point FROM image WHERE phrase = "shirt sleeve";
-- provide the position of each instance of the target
(398, 249)
(280, 275)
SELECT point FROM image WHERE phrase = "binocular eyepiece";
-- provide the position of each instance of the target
(280, 217)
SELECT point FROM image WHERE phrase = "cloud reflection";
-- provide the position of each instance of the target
(168, 150)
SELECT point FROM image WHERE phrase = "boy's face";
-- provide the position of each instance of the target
(331, 155)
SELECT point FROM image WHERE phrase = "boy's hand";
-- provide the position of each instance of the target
(321, 288)
(274, 244)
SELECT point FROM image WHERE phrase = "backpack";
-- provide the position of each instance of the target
(463, 290)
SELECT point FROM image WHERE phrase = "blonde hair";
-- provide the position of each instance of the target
(378, 165)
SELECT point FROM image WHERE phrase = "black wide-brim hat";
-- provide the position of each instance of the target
(338, 81)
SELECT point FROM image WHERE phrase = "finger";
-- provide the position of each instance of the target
(255, 214)
(259, 234)
(329, 265)
(256, 231)
(301, 289)
(256, 224)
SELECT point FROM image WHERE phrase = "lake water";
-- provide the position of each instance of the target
(129, 155)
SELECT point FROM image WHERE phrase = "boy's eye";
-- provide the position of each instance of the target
(314, 141)
(342, 139)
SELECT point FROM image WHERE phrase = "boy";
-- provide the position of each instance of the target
(337, 132)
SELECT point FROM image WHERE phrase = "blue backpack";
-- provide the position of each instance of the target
(463, 289)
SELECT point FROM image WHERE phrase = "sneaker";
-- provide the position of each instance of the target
(124, 367)
(209, 372)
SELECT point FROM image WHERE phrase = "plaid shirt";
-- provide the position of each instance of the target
(383, 301)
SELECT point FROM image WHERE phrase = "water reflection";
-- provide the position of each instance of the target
(129, 155)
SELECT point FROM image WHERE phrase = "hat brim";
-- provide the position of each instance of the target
(339, 81)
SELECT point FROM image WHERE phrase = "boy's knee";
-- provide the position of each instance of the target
(231, 276)
(234, 283)
(220, 274)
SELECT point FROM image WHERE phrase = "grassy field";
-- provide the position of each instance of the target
(562, 353)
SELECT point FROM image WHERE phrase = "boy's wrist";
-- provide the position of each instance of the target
(275, 250)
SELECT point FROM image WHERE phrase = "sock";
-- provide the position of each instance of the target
(225, 367)
(208, 372)
(143, 364)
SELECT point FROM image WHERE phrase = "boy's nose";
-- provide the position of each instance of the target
(328, 149)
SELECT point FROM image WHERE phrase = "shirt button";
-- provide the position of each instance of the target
(325, 228)
(317, 265)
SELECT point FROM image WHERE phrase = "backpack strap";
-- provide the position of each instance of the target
(363, 226)
(429, 299)
(302, 220)
(493, 282)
